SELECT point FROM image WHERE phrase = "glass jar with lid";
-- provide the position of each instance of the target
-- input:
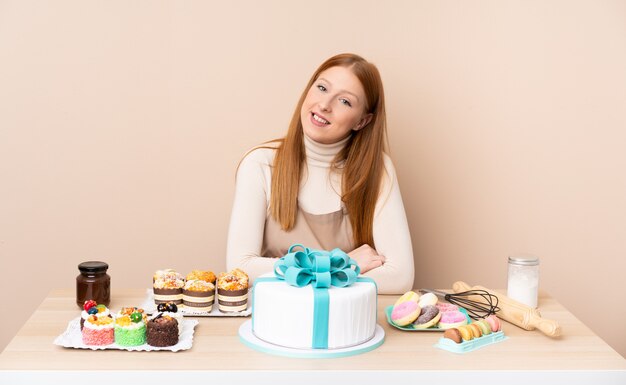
(523, 279)
(93, 282)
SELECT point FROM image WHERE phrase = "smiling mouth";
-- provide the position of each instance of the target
(319, 119)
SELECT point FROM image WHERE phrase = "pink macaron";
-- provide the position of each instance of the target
(494, 323)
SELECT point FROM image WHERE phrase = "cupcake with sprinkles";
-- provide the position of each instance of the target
(168, 286)
(90, 307)
(98, 331)
(130, 327)
(199, 295)
(232, 291)
(162, 331)
(203, 275)
(170, 309)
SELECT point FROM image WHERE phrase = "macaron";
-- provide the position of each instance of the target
(475, 330)
(405, 313)
(427, 299)
(452, 319)
(454, 334)
(429, 316)
(484, 326)
(466, 332)
(494, 323)
(408, 296)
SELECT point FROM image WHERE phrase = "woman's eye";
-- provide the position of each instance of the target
(321, 87)
(346, 102)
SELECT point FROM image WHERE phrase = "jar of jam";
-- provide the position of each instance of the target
(93, 282)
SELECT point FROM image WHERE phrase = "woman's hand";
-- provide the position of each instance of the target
(367, 258)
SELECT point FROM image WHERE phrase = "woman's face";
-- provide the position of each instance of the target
(334, 106)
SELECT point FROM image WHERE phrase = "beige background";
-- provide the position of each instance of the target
(121, 124)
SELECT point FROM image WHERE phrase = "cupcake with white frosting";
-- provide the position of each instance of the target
(168, 286)
(199, 295)
(98, 331)
(92, 308)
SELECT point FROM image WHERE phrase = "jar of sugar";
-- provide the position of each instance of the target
(523, 279)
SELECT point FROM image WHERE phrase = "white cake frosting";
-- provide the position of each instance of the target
(109, 325)
(86, 315)
(283, 314)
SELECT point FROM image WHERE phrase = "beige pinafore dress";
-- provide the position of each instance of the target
(315, 231)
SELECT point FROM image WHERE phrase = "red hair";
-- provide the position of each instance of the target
(361, 160)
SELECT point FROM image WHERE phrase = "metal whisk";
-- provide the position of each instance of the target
(475, 309)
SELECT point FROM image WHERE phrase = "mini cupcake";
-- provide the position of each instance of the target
(163, 273)
(162, 331)
(199, 295)
(202, 275)
(232, 291)
(130, 327)
(168, 286)
(170, 309)
(92, 308)
(98, 331)
(130, 310)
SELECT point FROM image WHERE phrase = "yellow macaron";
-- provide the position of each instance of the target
(466, 332)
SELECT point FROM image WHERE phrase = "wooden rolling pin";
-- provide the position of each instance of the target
(513, 311)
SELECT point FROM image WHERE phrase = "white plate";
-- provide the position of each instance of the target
(150, 307)
(73, 338)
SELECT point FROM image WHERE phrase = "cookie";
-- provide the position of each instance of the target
(429, 316)
(405, 313)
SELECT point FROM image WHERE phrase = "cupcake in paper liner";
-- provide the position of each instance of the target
(199, 295)
(161, 274)
(232, 291)
(168, 286)
(202, 275)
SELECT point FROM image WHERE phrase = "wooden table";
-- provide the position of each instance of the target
(217, 355)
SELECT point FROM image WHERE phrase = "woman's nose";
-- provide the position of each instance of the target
(324, 105)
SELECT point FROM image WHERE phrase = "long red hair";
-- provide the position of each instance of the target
(361, 161)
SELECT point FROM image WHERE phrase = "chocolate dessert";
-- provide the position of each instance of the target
(162, 331)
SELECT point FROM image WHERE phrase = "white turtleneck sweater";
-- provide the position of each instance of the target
(318, 194)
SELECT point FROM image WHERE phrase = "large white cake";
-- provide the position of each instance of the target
(284, 315)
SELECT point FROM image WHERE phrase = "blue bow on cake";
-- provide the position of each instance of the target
(319, 268)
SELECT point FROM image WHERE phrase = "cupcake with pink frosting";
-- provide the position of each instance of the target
(98, 331)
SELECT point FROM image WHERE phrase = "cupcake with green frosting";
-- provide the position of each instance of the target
(130, 327)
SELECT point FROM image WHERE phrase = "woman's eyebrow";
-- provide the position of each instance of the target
(344, 91)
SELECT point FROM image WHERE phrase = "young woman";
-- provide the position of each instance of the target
(328, 183)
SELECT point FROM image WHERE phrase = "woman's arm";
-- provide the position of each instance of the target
(247, 219)
(392, 239)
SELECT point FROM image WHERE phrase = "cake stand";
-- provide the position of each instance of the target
(249, 339)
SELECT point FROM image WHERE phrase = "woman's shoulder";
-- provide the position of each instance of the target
(389, 178)
(390, 170)
(258, 159)
(262, 153)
